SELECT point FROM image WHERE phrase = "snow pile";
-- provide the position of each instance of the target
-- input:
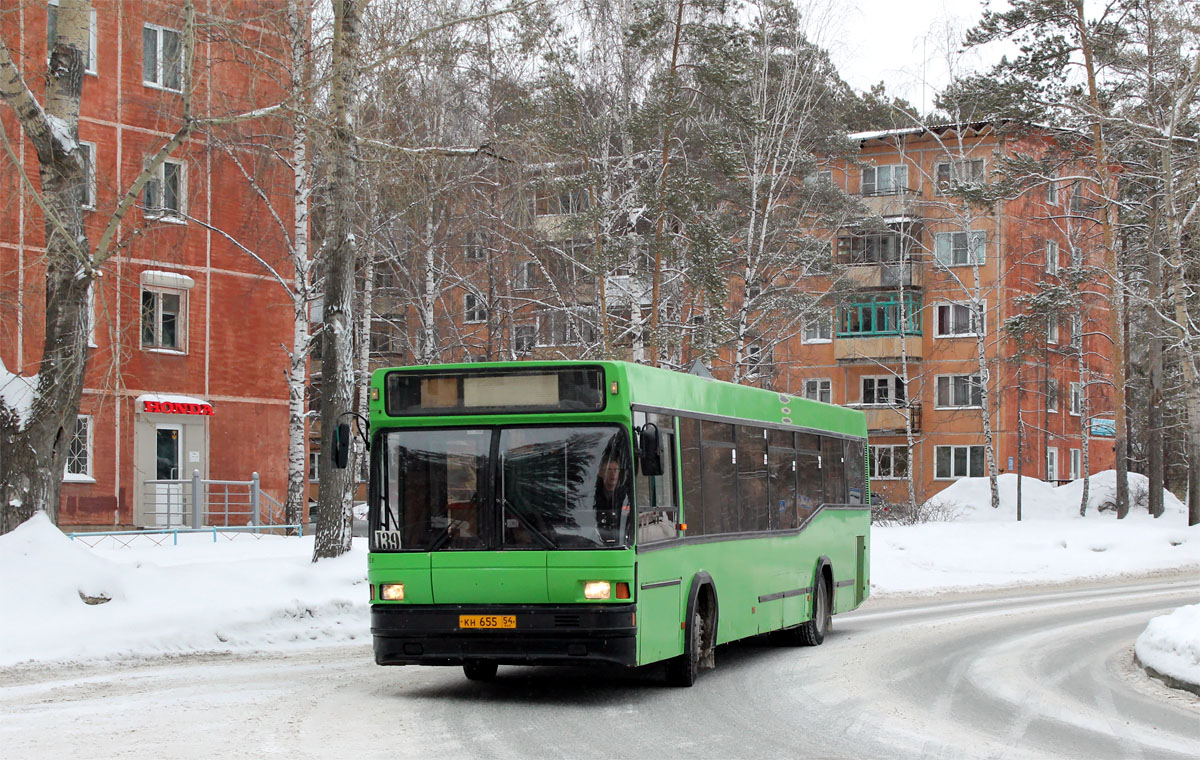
(971, 498)
(1171, 645)
(18, 392)
(237, 595)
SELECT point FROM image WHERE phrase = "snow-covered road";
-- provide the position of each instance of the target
(1001, 674)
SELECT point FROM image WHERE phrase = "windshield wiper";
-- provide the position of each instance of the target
(440, 540)
(510, 507)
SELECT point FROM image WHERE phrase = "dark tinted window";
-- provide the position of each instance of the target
(719, 489)
(856, 491)
(833, 470)
(809, 484)
(782, 482)
(689, 460)
(752, 478)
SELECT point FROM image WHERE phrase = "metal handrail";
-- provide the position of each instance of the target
(174, 532)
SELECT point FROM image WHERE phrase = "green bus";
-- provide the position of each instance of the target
(604, 512)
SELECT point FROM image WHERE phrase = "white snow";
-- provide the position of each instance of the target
(18, 393)
(243, 594)
(1171, 644)
(167, 279)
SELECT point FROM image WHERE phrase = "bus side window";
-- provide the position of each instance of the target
(689, 460)
(752, 478)
(781, 479)
(834, 470)
(658, 514)
(719, 476)
(810, 486)
(855, 466)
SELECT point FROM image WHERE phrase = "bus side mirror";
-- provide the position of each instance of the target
(649, 451)
(341, 445)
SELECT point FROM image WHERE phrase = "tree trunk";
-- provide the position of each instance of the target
(33, 450)
(334, 519)
(1154, 442)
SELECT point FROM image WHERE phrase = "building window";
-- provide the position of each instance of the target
(1076, 402)
(958, 392)
(883, 248)
(89, 54)
(524, 338)
(819, 389)
(1051, 463)
(162, 58)
(884, 180)
(884, 390)
(889, 462)
(474, 308)
(952, 462)
(569, 201)
(475, 248)
(385, 334)
(880, 316)
(760, 358)
(965, 172)
(164, 319)
(164, 191)
(314, 462)
(957, 320)
(79, 451)
(1051, 395)
(955, 249)
(559, 327)
(1051, 329)
(1076, 464)
(818, 329)
(91, 314)
(87, 193)
(1052, 191)
(1051, 257)
(527, 275)
(1076, 197)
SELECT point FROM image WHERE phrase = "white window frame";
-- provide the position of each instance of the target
(1076, 464)
(976, 324)
(91, 314)
(474, 308)
(1051, 463)
(816, 387)
(1075, 407)
(475, 249)
(891, 449)
(974, 248)
(1052, 395)
(1052, 195)
(86, 476)
(893, 173)
(526, 275)
(520, 335)
(89, 63)
(157, 184)
(1052, 330)
(1052, 264)
(955, 172)
(891, 381)
(159, 68)
(823, 331)
(953, 388)
(953, 448)
(314, 459)
(181, 331)
(89, 170)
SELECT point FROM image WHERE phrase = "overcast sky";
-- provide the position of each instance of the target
(902, 43)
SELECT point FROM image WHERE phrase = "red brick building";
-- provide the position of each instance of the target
(186, 371)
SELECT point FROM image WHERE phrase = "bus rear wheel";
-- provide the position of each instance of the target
(812, 632)
(479, 670)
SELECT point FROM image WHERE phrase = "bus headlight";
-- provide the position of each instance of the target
(392, 592)
(597, 590)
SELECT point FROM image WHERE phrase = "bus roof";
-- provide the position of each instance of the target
(670, 390)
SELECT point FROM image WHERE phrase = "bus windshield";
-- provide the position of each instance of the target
(554, 487)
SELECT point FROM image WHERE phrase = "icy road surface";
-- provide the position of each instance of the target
(1012, 674)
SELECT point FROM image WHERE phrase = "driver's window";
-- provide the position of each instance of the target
(657, 501)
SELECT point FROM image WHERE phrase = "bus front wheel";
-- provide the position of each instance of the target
(479, 670)
(682, 670)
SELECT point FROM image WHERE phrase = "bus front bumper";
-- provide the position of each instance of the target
(544, 634)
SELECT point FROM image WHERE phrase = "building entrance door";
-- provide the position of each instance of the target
(168, 496)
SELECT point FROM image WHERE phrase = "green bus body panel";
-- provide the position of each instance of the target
(743, 569)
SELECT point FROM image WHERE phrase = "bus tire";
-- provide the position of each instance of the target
(812, 632)
(479, 670)
(682, 670)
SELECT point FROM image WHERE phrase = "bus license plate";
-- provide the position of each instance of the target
(487, 621)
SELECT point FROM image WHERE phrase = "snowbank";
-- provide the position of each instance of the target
(1170, 646)
(237, 595)
(970, 498)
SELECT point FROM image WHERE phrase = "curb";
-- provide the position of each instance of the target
(1172, 681)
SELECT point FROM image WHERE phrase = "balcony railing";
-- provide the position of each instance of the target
(885, 275)
(901, 202)
(886, 420)
(876, 348)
